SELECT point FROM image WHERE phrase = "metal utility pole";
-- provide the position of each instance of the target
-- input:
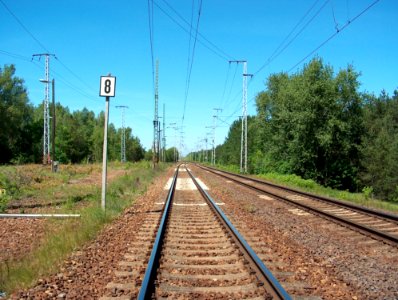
(213, 151)
(159, 141)
(214, 133)
(244, 110)
(243, 144)
(123, 135)
(53, 166)
(155, 157)
(46, 113)
(206, 149)
(174, 126)
(175, 144)
(181, 142)
(164, 134)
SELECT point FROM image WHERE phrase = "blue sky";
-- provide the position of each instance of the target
(93, 38)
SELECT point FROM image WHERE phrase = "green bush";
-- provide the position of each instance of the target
(4, 199)
(367, 192)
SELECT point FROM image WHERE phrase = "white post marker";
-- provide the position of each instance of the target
(107, 89)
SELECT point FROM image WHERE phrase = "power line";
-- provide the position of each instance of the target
(75, 88)
(294, 28)
(336, 25)
(45, 48)
(150, 23)
(238, 107)
(192, 59)
(73, 73)
(225, 85)
(189, 57)
(24, 27)
(219, 53)
(219, 118)
(348, 23)
(60, 78)
(231, 86)
(279, 50)
(17, 56)
(223, 53)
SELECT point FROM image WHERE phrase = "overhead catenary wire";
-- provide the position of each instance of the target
(192, 59)
(280, 49)
(293, 29)
(336, 25)
(230, 89)
(348, 23)
(238, 105)
(238, 108)
(189, 54)
(225, 85)
(216, 48)
(218, 53)
(348, 9)
(151, 32)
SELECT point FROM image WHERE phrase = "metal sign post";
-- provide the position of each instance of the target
(107, 89)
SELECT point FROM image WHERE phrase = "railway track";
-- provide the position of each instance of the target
(198, 254)
(378, 225)
(199, 258)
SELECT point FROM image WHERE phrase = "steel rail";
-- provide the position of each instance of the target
(273, 286)
(364, 229)
(372, 212)
(39, 216)
(147, 289)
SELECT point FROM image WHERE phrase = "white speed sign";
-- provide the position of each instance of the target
(107, 86)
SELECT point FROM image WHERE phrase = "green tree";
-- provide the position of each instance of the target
(171, 153)
(229, 151)
(73, 135)
(380, 146)
(311, 125)
(18, 131)
(134, 149)
(97, 137)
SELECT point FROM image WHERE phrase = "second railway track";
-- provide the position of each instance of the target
(378, 225)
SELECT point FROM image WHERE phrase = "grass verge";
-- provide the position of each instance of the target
(311, 186)
(64, 236)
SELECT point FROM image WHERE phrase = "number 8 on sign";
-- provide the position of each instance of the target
(107, 86)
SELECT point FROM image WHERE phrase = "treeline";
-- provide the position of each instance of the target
(79, 134)
(316, 124)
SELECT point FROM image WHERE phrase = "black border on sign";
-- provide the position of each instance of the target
(114, 89)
